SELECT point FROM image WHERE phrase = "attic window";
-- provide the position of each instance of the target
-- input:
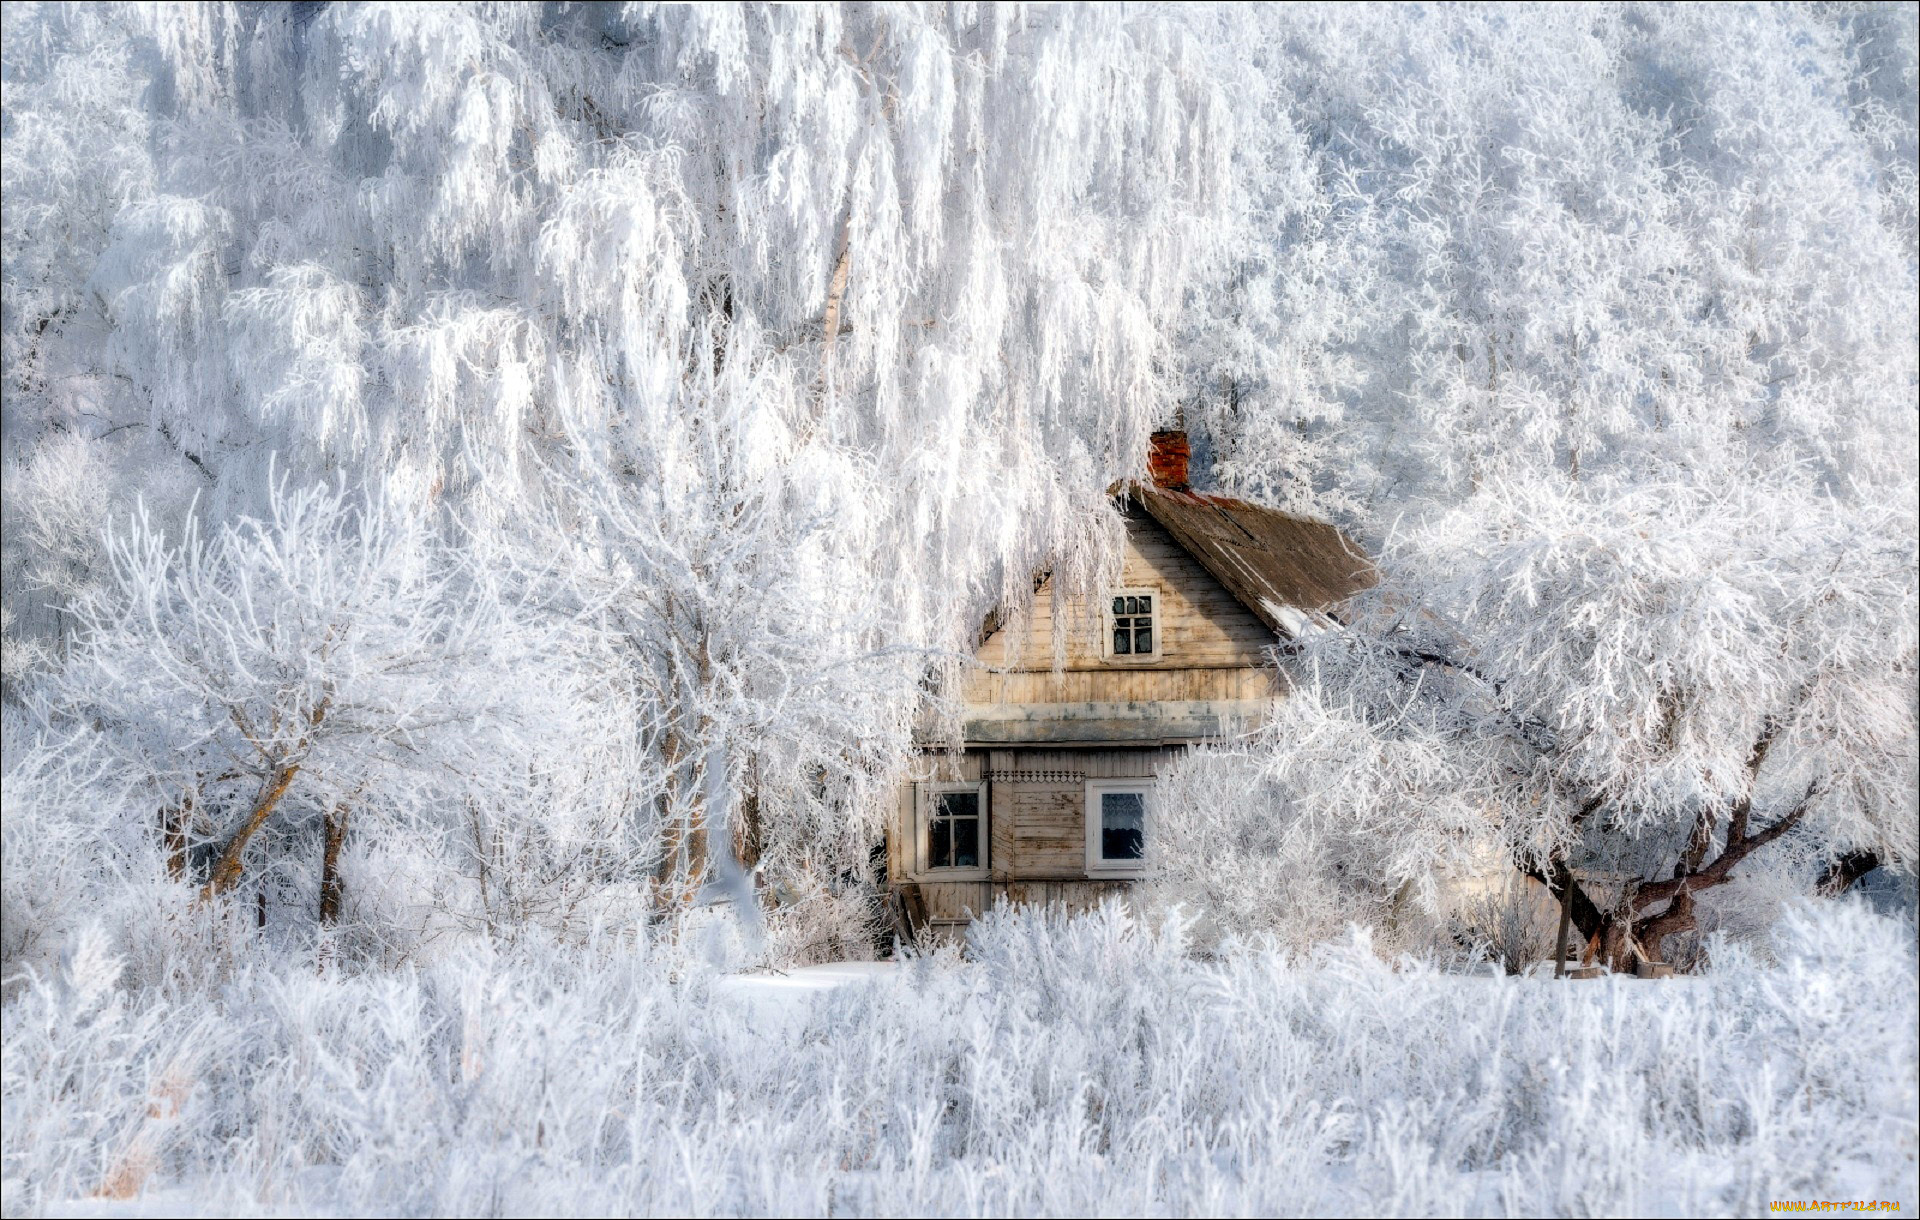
(1131, 629)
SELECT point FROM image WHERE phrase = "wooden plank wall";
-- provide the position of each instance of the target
(1202, 625)
(1120, 685)
(1036, 802)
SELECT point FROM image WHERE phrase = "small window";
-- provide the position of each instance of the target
(953, 829)
(953, 832)
(1117, 826)
(1132, 631)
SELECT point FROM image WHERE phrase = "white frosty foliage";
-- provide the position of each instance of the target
(333, 657)
(1504, 242)
(433, 242)
(792, 337)
(1320, 821)
(570, 441)
(1074, 1068)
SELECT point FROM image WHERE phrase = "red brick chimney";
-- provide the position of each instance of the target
(1167, 459)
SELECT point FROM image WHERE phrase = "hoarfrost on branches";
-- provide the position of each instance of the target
(484, 482)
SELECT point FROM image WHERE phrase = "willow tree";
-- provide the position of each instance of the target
(886, 293)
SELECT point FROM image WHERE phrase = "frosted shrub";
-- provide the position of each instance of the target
(1311, 826)
(1509, 918)
(57, 807)
(809, 919)
(97, 1079)
(1070, 1067)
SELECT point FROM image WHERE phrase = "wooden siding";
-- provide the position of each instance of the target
(1116, 685)
(1162, 722)
(1036, 818)
(1201, 625)
(1044, 829)
(1094, 764)
(927, 767)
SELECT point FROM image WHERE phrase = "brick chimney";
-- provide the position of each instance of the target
(1167, 459)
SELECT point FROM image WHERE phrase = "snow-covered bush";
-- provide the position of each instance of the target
(1079, 1066)
(69, 835)
(1312, 825)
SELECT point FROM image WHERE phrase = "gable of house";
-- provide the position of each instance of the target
(1207, 661)
(1220, 581)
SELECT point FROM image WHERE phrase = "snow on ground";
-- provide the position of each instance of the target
(803, 981)
(778, 999)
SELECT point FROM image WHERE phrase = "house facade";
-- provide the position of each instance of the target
(1049, 795)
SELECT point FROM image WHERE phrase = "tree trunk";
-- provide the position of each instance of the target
(1842, 873)
(837, 290)
(331, 887)
(1588, 919)
(1560, 941)
(677, 878)
(751, 840)
(173, 835)
(232, 861)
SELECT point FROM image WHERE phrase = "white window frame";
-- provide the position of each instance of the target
(1159, 624)
(925, 798)
(1097, 864)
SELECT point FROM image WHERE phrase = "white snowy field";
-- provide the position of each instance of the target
(1061, 1068)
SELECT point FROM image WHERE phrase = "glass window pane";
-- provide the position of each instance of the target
(1123, 822)
(966, 842)
(960, 804)
(1146, 605)
(1122, 641)
(1143, 639)
(1119, 605)
(940, 844)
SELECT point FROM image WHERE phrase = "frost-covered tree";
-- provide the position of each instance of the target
(495, 260)
(1486, 244)
(260, 686)
(1602, 322)
(438, 241)
(1636, 691)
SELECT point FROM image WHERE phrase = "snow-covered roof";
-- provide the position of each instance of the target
(1289, 571)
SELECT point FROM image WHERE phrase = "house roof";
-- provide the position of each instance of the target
(1289, 571)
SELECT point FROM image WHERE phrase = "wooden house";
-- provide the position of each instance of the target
(1049, 795)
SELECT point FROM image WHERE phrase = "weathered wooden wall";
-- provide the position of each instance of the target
(1202, 626)
(1209, 679)
(1036, 833)
(1036, 734)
